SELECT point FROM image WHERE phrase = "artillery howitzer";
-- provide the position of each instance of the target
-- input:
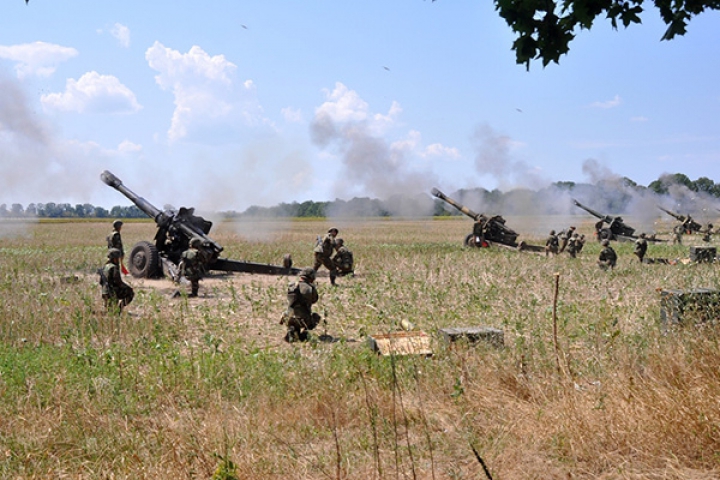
(487, 230)
(689, 225)
(175, 230)
(616, 229)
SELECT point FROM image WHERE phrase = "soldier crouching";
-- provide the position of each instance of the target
(299, 318)
(115, 293)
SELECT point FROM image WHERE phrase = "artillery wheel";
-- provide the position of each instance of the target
(605, 234)
(145, 261)
(287, 261)
(472, 241)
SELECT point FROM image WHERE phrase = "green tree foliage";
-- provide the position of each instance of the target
(545, 28)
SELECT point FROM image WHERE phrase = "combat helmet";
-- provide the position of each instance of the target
(605, 242)
(196, 242)
(114, 253)
(117, 224)
(339, 241)
(308, 273)
(333, 229)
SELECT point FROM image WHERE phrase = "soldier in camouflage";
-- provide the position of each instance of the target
(114, 240)
(192, 265)
(552, 244)
(608, 257)
(641, 247)
(323, 253)
(299, 317)
(343, 259)
(115, 293)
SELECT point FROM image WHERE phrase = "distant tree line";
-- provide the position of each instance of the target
(66, 210)
(612, 195)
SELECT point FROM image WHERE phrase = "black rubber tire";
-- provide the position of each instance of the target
(605, 234)
(145, 261)
(470, 241)
(287, 261)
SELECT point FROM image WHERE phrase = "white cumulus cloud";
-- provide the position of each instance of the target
(121, 33)
(208, 98)
(93, 93)
(38, 58)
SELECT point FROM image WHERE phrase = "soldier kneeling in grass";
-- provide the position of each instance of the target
(115, 293)
(299, 318)
(343, 259)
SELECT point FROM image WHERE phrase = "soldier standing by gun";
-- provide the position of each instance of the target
(572, 247)
(608, 257)
(192, 265)
(707, 233)
(114, 240)
(115, 293)
(343, 259)
(299, 317)
(678, 231)
(323, 252)
(552, 244)
(641, 246)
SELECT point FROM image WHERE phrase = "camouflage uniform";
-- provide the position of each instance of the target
(343, 259)
(192, 266)
(572, 247)
(677, 234)
(115, 292)
(323, 253)
(565, 237)
(114, 240)
(641, 246)
(299, 318)
(707, 233)
(608, 257)
(551, 244)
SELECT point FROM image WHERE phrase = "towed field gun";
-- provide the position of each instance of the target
(487, 230)
(689, 225)
(175, 229)
(616, 228)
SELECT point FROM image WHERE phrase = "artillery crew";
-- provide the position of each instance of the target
(343, 259)
(678, 231)
(641, 246)
(114, 240)
(299, 317)
(192, 265)
(552, 244)
(707, 232)
(115, 293)
(572, 245)
(323, 253)
(565, 237)
(608, 257)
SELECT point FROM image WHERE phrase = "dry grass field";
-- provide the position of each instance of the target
(588, 386)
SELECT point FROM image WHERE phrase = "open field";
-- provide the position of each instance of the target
(180, 388)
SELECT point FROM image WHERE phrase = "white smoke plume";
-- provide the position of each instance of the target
(370, 164)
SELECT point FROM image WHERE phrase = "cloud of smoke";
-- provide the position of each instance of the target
(371, 165)
(37, 167)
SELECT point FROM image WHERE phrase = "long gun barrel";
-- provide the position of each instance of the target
(605, 218)
(676, 216)
(183, 220)
(437, 193)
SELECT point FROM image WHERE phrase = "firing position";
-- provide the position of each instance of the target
(641, 247)
(115, 293)
(343, 259)
(323, 253)
(299, 317)
(608, 257)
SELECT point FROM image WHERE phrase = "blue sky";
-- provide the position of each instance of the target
(232, 104)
